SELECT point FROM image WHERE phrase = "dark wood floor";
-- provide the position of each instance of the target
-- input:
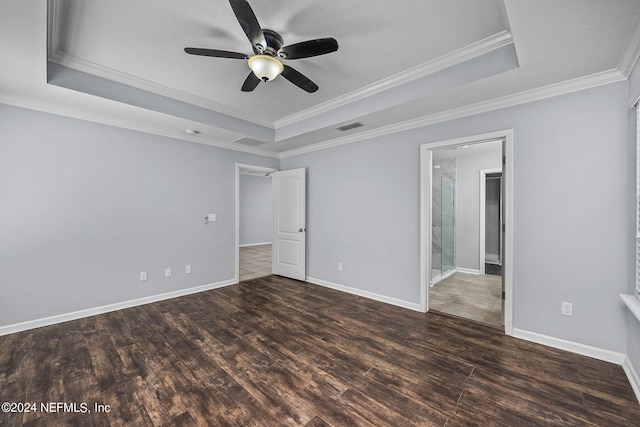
(277, 352)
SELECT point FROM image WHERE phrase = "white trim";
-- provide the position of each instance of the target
(425, 215)
(573, 347)
(468, 270)
(482, 211)
(438, 279)
(253, 168)
(632, 303)
(632, 376)
(366, 294)
(450, 59)
(556, 89)
(426, 221)
(247, 245)
(508, 237)
(94, 69)
(46, 321)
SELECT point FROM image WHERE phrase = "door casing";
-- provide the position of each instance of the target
(426, 177)
(252, 168)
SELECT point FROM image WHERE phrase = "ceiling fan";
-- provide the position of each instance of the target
(268, 51)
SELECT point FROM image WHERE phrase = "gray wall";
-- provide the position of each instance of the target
(84, 208)
(468, 203)
(363, 211)
(256, 210)
(633, 325)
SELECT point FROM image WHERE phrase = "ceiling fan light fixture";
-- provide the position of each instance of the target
(265, 67)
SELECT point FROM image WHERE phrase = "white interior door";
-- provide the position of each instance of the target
(289, 223)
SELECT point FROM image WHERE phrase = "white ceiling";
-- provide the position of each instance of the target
(385, 46)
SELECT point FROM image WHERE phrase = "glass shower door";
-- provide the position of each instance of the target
(448, 225)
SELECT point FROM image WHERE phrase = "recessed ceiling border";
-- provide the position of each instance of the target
(56, 55)
(549, 91)
(450, 59)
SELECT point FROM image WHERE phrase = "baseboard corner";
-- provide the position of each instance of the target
(632, 376)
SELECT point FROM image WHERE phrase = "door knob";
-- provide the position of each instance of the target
(302, 229)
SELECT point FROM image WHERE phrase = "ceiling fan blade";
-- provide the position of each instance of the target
(215, 52)
(309, 48)
(249, 24)
(250, 83)
(299, 79)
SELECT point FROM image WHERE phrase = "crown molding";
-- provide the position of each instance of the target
(631, 54)
(556, 89)
(458, 56)
(134, 125)
(149, 86)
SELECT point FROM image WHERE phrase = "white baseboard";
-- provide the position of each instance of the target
(366, 294)
(38, 323)
(246, 245)
(632, 375)
(439, 279)
(574, 347)
(467, 270)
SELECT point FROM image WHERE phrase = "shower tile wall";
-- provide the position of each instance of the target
(447, 168)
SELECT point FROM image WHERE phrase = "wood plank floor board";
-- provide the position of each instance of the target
(236, 377)
(280, 352)
(317, 422)
(423, 406)
(551, 407)
(484, 410)
(375, 413)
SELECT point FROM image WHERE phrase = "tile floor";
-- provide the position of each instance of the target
(472, 296)
(255, 261)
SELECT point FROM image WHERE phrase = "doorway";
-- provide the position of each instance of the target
(491, 234)
(254, 221)
(433, 234)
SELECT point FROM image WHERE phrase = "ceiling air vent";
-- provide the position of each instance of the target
(248, 141)
(350, 126)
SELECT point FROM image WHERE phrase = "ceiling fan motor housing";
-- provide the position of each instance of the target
(274, 42)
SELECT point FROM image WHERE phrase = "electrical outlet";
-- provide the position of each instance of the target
(567, 309)
(143, 276)
(339, 266)
(167, 272)
(187, 269)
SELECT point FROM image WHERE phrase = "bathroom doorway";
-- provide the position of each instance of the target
(453, 280)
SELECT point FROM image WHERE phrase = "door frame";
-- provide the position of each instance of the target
(483, 222)
(252, 168)
(426, 177)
